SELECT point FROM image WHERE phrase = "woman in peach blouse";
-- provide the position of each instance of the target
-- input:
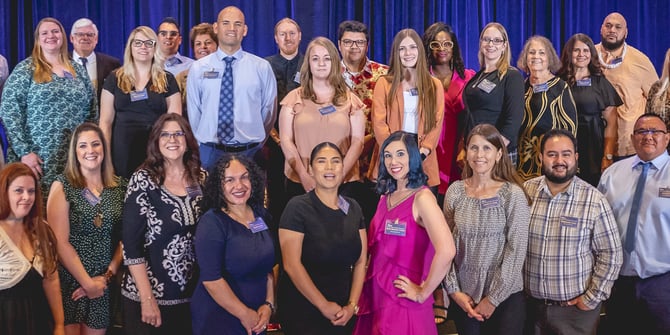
(322, 109)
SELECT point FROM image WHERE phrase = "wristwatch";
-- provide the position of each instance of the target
(269, 304)
(609, 157)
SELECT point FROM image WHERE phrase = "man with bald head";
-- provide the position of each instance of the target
(231, 94)
(638, 189)
(632, 74)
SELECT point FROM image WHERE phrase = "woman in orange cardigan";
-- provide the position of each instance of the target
(409, 99)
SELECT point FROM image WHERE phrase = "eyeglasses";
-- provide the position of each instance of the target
(82, 35)
(495, 41)
(437, 45)
(350, 43)
(147, 43)
(165, 135)
(652, 132)
(171, 33)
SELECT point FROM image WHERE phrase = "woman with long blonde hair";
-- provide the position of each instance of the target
(132, 99)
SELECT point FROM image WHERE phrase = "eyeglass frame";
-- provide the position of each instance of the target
(495, 41)
(81, 35)
(652, 132)
(148, 43)
(358, 43)
(448, 45)
(166, 135)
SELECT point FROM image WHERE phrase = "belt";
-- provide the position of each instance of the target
(232, 147)
(549, 302)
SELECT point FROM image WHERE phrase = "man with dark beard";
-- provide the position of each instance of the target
(630, 71)
(574, 251)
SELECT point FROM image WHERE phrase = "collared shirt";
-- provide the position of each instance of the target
(91, 66)
(287, 73)
(254, 91)
(651, 255)
(363, 84)
(573, 243)
(177, 63)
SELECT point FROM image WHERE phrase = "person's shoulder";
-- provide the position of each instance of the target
(532, 185)
(107, 58)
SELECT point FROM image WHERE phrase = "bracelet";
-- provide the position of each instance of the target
(355, 306)
(149, 298)
(108, 276)
(269, 304)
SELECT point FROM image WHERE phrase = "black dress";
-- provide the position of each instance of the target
(591, 98)
(330, 247)
(133, 121)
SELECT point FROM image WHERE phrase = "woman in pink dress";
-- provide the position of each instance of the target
(410, 247)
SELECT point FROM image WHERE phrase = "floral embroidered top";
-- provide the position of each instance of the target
(158, 230)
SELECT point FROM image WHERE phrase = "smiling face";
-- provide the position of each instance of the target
(50, 37)
(559, 160)
(288, 38)
(203, 45)
(355, 53)
(396, 160)
(236, 184)
(408, 50)
(90, 151)
(492, 44)
(172, 141)
(482, 155)
(230, 28)
(84, 39)
(327, 168)
(581, 55)
(648, 138)
(536, 58)
(320, 62)
(169, 38)
(143, 53)
(21, 196)
(444, 54)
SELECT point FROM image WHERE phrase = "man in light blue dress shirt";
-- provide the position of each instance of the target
(254, 93)
(640, 302)
(169, 40)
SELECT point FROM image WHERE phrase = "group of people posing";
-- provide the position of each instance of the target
(374, 188)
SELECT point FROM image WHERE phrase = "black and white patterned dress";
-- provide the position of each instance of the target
(158, 230)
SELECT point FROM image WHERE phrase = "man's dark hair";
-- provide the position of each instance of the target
(352, 26)
(172, 20)
(558, 133)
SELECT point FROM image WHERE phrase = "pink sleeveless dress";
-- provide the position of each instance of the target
(391, 254)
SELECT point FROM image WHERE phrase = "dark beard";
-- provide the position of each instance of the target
(612, 46)
(571, 172)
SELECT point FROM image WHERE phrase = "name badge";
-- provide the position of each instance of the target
(343, 204)
(193, 191)
(664, 192)
(258, 226)
(327, 110)
(584, 82)
(90, 197)
(414, 92)
(296, 78)
(211, 74)
(486, 86)
(570, 222)
(540, 88)
(489, 203)
(139, 95)
(67, 75)
(395, 228)
(616, 60)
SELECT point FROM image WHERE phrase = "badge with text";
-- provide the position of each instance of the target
(67, 75)
(569, 222)
(193, 191)
(90, 197)
(296, 78)
(540, 88)
(210, 74)
(327, 110)
(414, 92)
(395, 228)
(616, 61)
(139, 95)
(664, 192)
(343, 204)
(489, 203)
(258, 225)
(486, 86)
(584, 82)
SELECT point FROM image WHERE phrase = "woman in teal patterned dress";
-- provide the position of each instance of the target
(44, 99)
(84, 210)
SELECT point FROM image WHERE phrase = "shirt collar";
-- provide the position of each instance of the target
(657, 162)
(366, 68)
(237, 54)
(570, 190)
(90, 58)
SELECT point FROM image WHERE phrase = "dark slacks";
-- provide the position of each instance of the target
(507, 319)
(560, 320)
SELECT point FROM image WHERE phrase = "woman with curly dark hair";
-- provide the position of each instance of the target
(162, 206)
(235, 252)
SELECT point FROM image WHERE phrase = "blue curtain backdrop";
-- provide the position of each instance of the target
(557, 20)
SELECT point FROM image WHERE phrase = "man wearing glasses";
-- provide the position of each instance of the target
(361, 74)
(169, 40)
(231, 94)
(638, 188)
(84, 38)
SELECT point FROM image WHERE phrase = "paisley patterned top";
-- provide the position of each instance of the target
(40, 117)
(158, 230)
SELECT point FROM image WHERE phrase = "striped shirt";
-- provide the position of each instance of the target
(573, 244)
